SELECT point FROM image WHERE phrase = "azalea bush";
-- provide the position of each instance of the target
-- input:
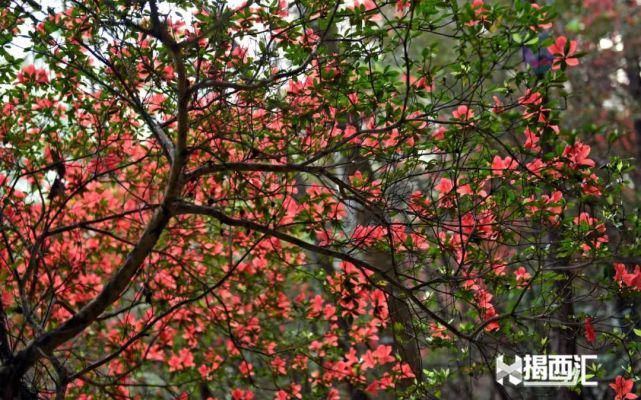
(300, 200)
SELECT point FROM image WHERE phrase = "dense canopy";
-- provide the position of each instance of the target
(302, 199)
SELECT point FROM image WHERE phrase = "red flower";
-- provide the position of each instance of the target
(240, 394)
(479, 12)
(623, 387)
(31, 73)
(463, 113)
(561, 56)
(439, 134)
(590, 336)
(522, 276)
(619, 273)
(578, 155)
(444, 186)
(501, 164)
(622, 276)
(184, 359)
(381, 356)
(531, 140)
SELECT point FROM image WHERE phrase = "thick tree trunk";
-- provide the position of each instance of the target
(565, 336)
(632, 55)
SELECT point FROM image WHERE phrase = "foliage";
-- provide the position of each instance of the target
(307, 199)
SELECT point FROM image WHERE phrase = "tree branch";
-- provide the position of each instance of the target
(184, 208)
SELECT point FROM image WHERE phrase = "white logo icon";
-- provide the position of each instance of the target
(545, 370)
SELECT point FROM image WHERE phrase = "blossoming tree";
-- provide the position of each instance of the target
(287, 199)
